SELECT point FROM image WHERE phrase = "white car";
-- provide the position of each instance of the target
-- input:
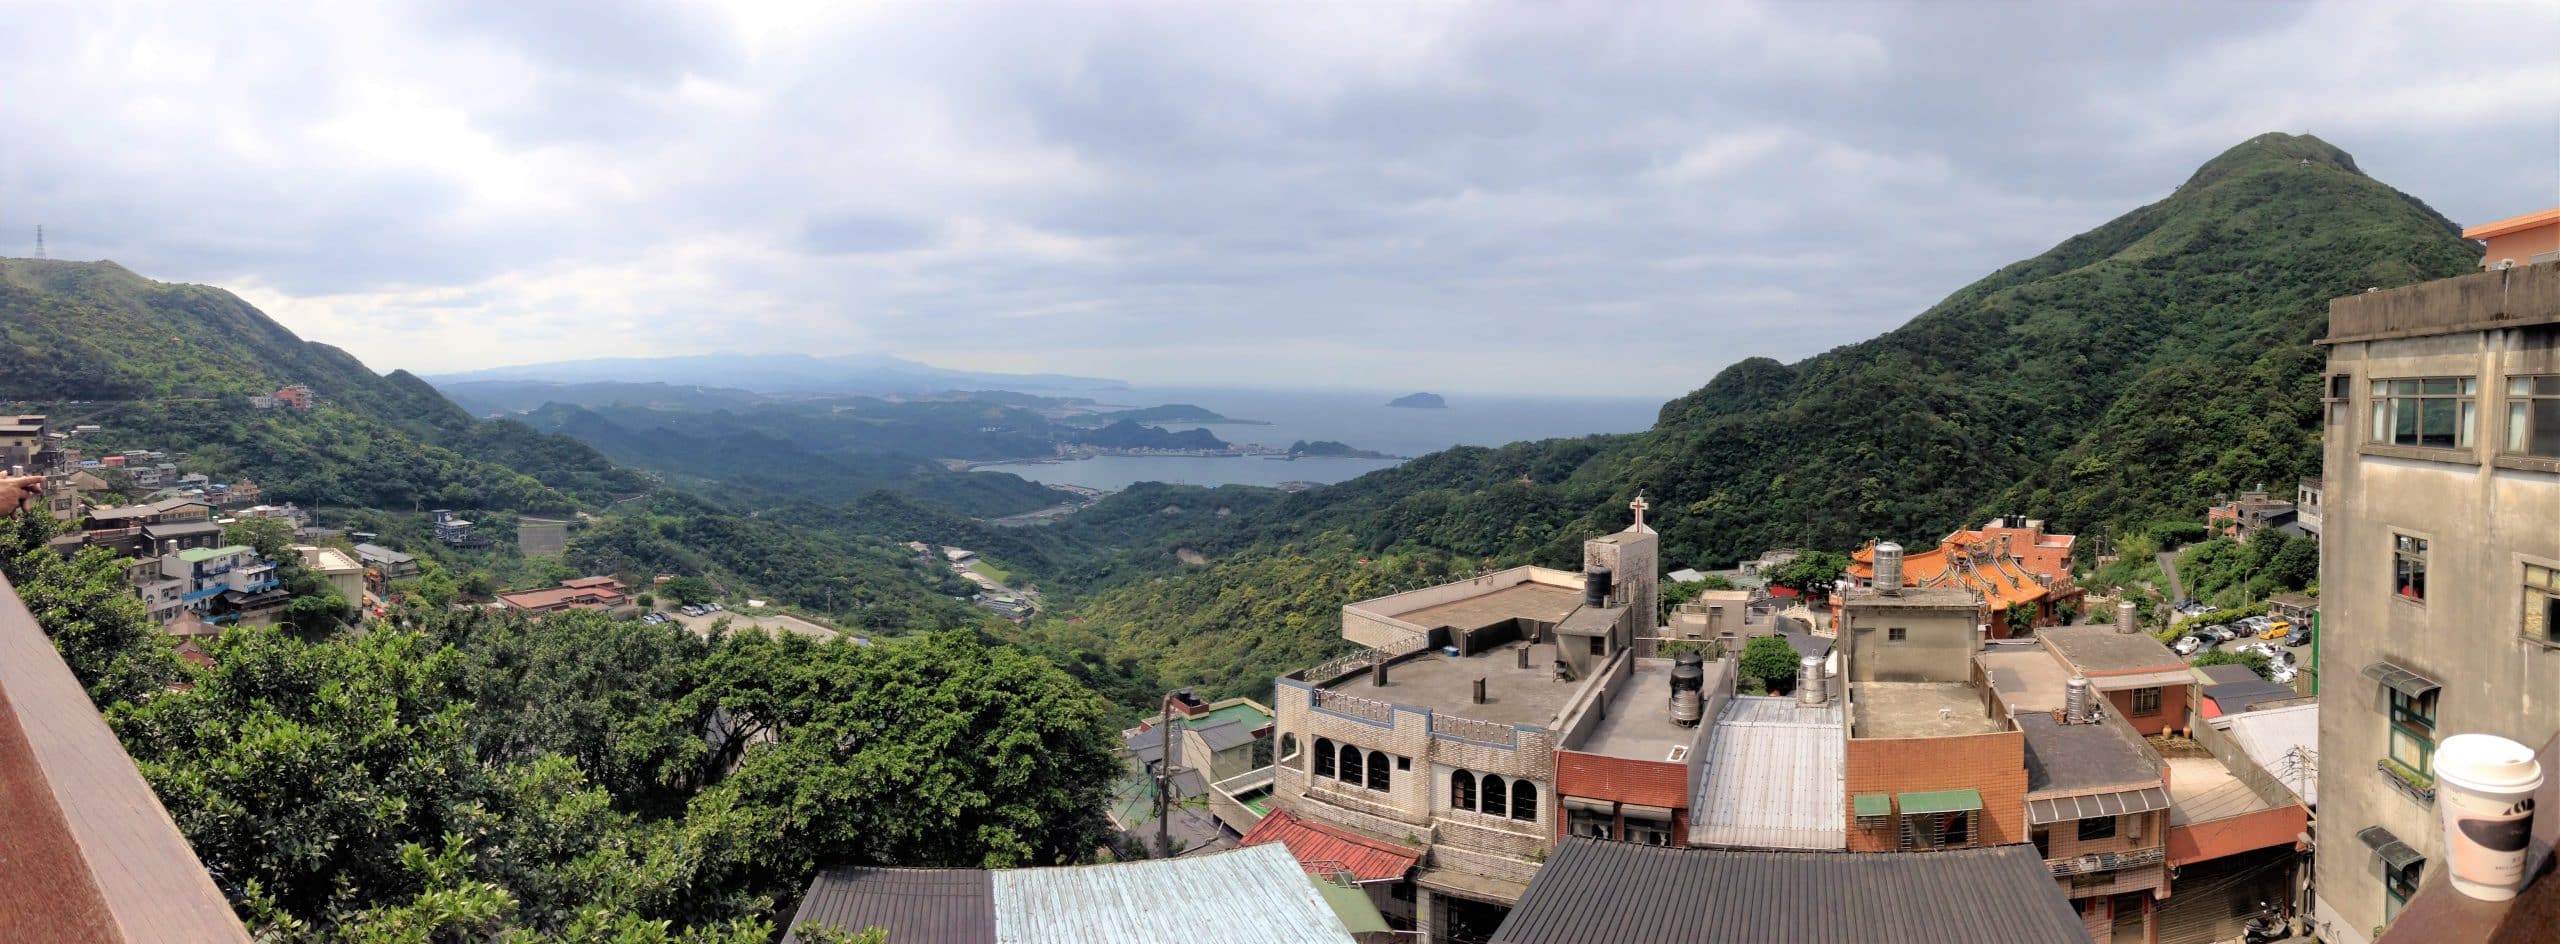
(2186, 645)
(2282, 674)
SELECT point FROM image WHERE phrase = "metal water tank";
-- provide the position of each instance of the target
(1810, 689)
(2075, 700)
(1595, 585)
(2125, 621)
(1889, 567)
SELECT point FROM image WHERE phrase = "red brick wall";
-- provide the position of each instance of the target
(1601, 777)
(1995, 764)
(2173, 709)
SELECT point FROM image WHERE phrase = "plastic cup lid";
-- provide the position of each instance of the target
(2487, 762)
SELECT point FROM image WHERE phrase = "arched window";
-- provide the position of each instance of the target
(1496, 799)
(1350, 765)
(1324, 757)
(1462, 791)
(1379, 765)
(1288, 747)
(1524, 800)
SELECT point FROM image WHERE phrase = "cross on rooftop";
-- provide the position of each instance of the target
(1639, 505)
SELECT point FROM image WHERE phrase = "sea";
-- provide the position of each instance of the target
(1360, 418)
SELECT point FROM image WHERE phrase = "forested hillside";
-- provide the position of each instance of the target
(2122, 377)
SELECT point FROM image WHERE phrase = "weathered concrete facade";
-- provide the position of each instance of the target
(2486, 516)
(1913, 634)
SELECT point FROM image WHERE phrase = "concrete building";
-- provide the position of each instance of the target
(2306, 505)
(343, 573)
(2022, 572)
(2440, 558)
(2531, 239)
(452, 528)
(1444, 734)
(390, 564)
(584, 593)
(1220, 752)
(2254, 512)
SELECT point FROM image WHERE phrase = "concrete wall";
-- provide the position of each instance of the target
(1995, 764)
(1373, 623)
(2174, 701)
(2483, 523)
(1938, 643)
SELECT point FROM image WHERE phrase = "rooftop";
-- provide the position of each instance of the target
(1950, 597)
(1539, 602)
(376, 552)
(2202, 789)
(2284, 742)
(1772, 777)
(2513, 224)
(1638, 725)
(1513, 695)
(2496, 299)
(1919, 709)
(2101, 651)
(1318, 845)
(1631, 894)
(1259, 895)
(2084, 758)
(202, 554)
(2028, 677)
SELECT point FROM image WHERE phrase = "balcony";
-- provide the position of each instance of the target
(94, 856)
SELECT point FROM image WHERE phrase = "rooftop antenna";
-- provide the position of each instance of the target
(39, 240)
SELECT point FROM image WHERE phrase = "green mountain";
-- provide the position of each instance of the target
(2120, 378)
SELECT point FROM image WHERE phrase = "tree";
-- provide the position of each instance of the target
(1812, 573)
(88, 610)
(1674, 594)
(1771, 660)
(2256, 661)
(688, 590)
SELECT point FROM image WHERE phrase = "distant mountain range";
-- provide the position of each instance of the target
(789, 374)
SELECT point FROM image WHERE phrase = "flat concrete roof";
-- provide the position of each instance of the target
(2097, 649)
(1639, 723)
(2077, 758)
(1931, 597)
(1531, 601)
(1911, 709)
(2028, 677)
(1446, 684)
(2203, 789)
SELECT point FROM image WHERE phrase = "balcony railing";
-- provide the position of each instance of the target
(1488, 732)
(2106, 861)
(1366, 709)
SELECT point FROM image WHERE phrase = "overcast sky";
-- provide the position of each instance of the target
(1543, 197)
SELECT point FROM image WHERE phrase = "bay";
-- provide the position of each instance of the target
(1360, 418)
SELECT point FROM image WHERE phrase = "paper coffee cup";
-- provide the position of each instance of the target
(2486, 792)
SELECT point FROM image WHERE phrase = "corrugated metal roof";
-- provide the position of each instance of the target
(916, 906)
(2285, 742)
(1317, 845)
(1630, 894)
(2402, 680)
(1244, 896)
(1772, 777)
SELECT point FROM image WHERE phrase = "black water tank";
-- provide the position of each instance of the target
(1595, 585)
(1688, 684)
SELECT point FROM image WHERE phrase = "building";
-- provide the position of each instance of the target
(2253, 512)
(385, 562)
(2531, 239)
(21, 440)
(1258, 895)
(452, 528)
(93, 854)
(1601, 891)
(1444, 733)
(2440, 561)
(342, 572)
(584, 593)
(295, 396)
(1221, 754)
(2022, 572)
(222, 584)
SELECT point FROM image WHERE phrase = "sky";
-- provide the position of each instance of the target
(1539, 197)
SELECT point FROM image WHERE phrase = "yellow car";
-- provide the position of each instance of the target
(2277, 630)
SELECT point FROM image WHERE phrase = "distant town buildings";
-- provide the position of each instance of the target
(2254, 512)
(2439, 572)
(291, 396)
(584, 593)
(451, 528)
(386, 563)
(2022, 572)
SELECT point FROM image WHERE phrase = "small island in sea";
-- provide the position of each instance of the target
(1328, 449)
(1420, 401)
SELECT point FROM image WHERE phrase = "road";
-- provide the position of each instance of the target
(2169, 572)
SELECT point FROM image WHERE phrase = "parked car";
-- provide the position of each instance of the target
(2276, 629)
(2217, 634)
(2187, 645)
(711, 607)
(2282, 674)
(2300, 636)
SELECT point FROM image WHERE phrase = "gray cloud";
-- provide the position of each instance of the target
(1481, 197)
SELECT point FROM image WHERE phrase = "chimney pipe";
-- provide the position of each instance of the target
(1378, 674)
(2125, 622)
(1479, 690)
(1524, 656)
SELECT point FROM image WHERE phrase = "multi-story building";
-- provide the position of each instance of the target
(2022, 572)
(341, 571)
(2440, 555)
(452, 528)
(222, 583)
(2254, 512)
(21, 439)
(2306, 505)
(1443, 734)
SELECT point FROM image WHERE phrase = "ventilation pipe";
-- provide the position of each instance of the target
(2125, 622)
(1889, 568)
(1378, 674)
(1524, 656)
(1479, 698)
(2075, 700)
(1595, 585)
(1809, 687)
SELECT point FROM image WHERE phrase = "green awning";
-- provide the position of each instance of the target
(1873, 804)
(1941, 801)
(1352, 905)
(2401, 680)
(2389, 848)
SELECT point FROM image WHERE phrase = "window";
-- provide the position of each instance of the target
(1938, 830)
(1591, 824)
(2092, 830)
(1651, 832)
(2043, 838)
(1379, 767)
(1288, 747)
(2533, 416)
(2146, 702)
(1324, 757)
(1404, 763)
(2398, 886)
(2413, 733)
(2542, 604)
(2436, 412)
(1599, 645)
(1956, 829)
(1496, 799)
(2409, 567)
(1351, 765)
(1524, 800)
(1462, 791)
(1896, 634)
(2339, 386)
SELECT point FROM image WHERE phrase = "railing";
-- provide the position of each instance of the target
(1348, 663)
(1365, 709)
(2106, 861)
(1483, 732)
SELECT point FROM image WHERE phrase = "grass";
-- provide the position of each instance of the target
(993, 572)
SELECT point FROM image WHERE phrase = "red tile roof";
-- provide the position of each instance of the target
(1318, 845)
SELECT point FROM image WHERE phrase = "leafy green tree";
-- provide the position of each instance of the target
(1812, 572)
(1771, 660)
(689, 590)
(88, 610)
(1674, 594)
(2257, 662)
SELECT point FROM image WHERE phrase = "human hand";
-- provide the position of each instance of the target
(15, 492)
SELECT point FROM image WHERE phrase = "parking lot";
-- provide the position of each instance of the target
(775, 622)
(2282, 653)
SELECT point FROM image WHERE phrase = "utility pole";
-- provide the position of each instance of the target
(39, 240)
(1164, 779)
